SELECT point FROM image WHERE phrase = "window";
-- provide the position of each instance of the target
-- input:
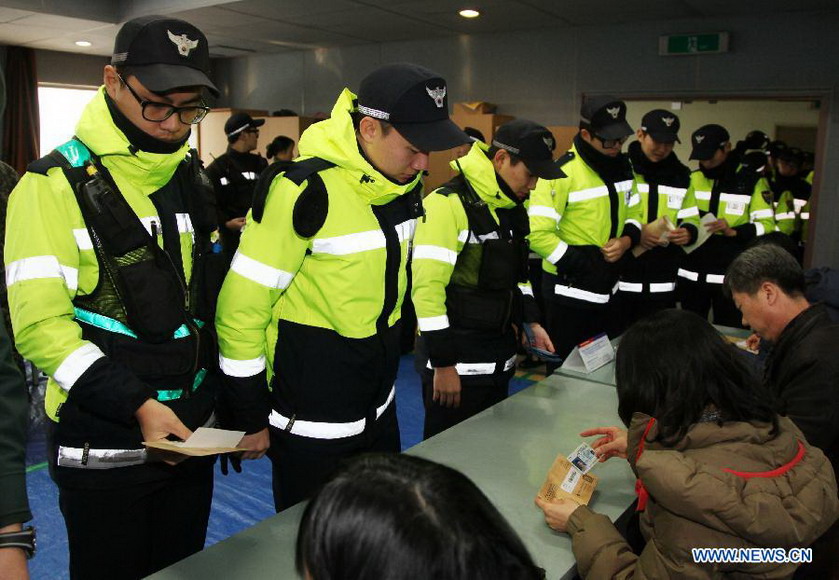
(60, 110)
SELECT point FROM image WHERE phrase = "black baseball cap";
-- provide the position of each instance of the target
(164, 54)
(706, 140)
(791, 155)
(238, 122)
(533, 144)
(415, 101)
(663, 126)
(606, 116)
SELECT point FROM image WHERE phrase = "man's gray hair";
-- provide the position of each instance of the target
(765, 263)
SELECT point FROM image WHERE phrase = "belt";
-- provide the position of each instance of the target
(92, 458)
(323, 429)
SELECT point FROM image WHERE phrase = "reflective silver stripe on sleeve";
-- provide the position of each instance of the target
(432, 323)
(760, 229)
(715, 278)
(323, 429)
(437, 253)
(223, 181)
(642, 187)
(241, 368)
(543, 211)
(688, 274)
(799, 203)
(656, 287)
(703, 195)
(687, 213)
(260, 273)
(350, 243)
(579, 294)
(790, 215)
(38, 267)
(631, 222)
(80, 457)
(591, 193)
(558, 252)
(634, 200)
(630, 286)
(805, 215)
(526, 289)
(75, 365)
(83, 240)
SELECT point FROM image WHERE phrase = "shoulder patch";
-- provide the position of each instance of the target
(566, 157)
(311, 208)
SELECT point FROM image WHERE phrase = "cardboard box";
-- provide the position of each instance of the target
(475, 108)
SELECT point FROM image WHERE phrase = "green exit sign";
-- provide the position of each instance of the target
(682, 44)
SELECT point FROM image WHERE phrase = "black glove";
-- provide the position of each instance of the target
(234, 459)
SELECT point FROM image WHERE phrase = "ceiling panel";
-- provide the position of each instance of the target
(237, 28)
(285, 10)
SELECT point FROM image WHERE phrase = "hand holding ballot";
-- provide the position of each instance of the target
(612, 443)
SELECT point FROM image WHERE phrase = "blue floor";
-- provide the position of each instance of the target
(240, 499)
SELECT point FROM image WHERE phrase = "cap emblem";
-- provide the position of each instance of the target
(699, 139)
(668, 120)
(614, 111)
(438, 95)
(549, 142)
(184, 44)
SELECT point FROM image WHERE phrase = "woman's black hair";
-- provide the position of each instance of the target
(278, 145)
(399, 517)
(676, 367)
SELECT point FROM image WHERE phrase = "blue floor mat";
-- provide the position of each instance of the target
(240, 500)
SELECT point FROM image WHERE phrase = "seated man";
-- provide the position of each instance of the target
(802, 370)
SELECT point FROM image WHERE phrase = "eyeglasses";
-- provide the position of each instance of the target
(611, 143)
(159, 112)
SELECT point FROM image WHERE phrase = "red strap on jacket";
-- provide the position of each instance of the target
(640, 490)
(775, 472)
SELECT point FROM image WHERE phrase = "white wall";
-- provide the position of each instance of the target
(739, 117)
(543, 74)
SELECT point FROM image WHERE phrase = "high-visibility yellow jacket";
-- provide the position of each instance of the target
(572, 218)
(51, 265)
(447, 252)
(316, 317)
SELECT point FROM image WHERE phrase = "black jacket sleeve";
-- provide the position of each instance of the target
(14, 405)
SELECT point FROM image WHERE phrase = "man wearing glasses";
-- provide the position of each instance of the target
(583, 225)
(107, 238)
(234, 176)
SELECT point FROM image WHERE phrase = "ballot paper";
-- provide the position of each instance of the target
(702, 232)
(203, 441)
(568, 477)
(660, 228)
(590, 355)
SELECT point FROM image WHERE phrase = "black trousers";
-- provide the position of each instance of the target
(700, 298)
(133, 531)
(302, 464)
(568, 325)
(477, 393)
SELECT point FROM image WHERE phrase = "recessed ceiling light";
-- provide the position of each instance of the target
(469, 13)
(83, 43)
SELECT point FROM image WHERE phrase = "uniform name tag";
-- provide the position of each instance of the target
(735, 207)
